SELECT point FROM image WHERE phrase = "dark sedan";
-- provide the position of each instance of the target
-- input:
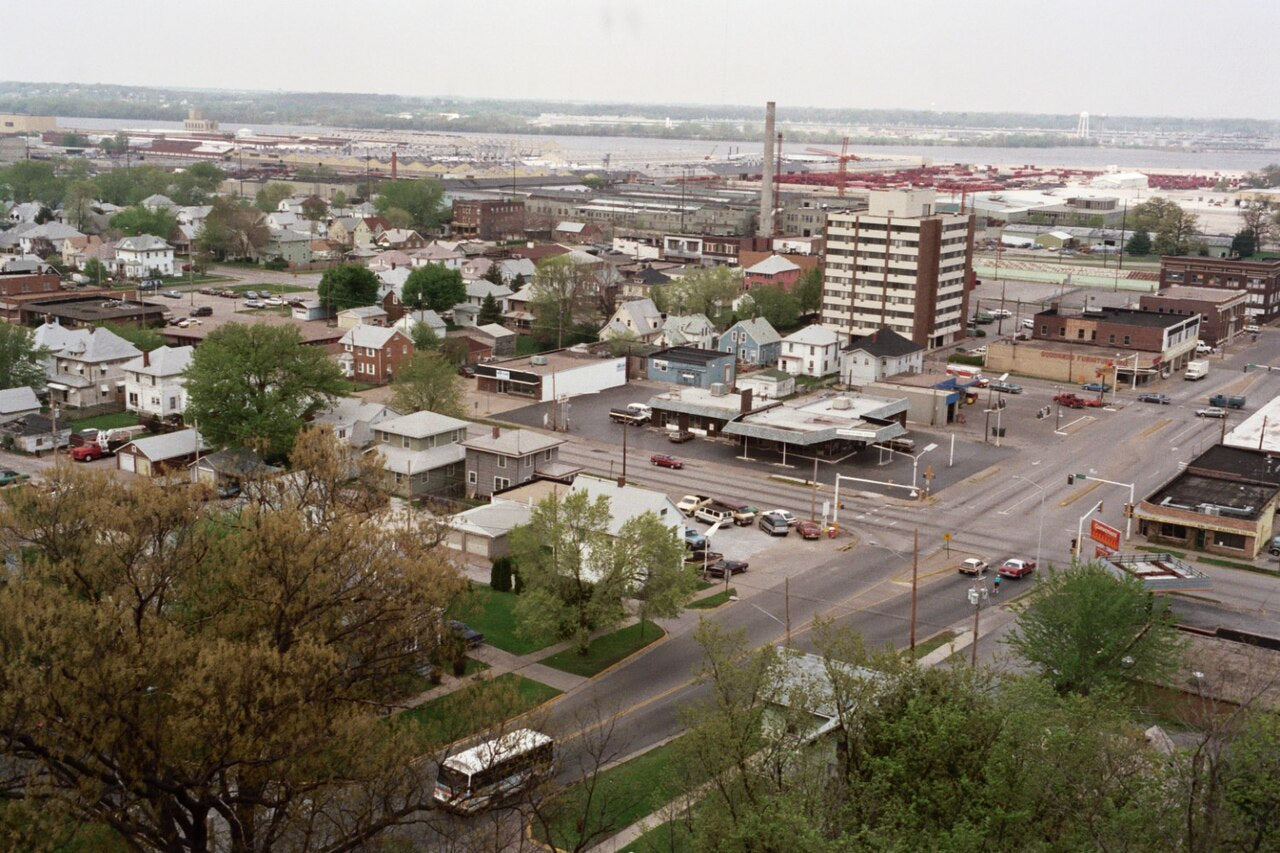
(662, 460)
(1161, 399)
(1006, 387)
(719, 568)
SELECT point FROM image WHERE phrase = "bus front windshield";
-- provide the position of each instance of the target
(455, 780)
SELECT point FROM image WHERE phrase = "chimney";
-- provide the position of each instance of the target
(746, 401)
(765, 227)
(393, 165)
(497, 431)
(146, 359)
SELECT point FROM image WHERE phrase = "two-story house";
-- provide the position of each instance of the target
(702, 368)
(883, 353)
(143, 256)
(503, 459)
(85, 366)
(752, 341)
(422, 454)
(690, 330)
(154, 384)
(478, 290)
(773, 270)
(373, 353)
(353, 420)
(811, 351)
(637, 319)
(403, 239)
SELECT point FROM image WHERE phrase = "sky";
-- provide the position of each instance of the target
(1132, 57)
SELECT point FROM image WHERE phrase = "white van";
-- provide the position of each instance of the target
(1028, 323)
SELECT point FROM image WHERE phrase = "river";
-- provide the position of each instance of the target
(589, 151)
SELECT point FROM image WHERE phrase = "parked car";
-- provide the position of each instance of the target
(9, 477)
(1161, 399)
(1099, 387)
(694, 540)
(202, 311)
(1015, 568)
(466, 370)
(679, 436)
(149, 284)
(1212, 412)
(252, 294)
(774, 525)
(273, 301)
(714, 513)
(790, 519)
(721, 567)
(978, 351)
(809, 530)
(254, 303)
(703, 557)
(1273, 549)
(1006, 387)
(1253, 330)
(1001, 312)
(171, 294)
(207, 291)
(902, 444)
(468, 635)
(973, 567)
(689, 504)
(1028, 324)
(663, 460)
(1203, 349)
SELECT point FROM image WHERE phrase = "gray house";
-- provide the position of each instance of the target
(421, 453)
(504, 459)
(18, 402)
(752, 341)
(690, 366)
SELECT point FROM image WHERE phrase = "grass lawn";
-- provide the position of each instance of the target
(605, 651)
(624, 794)
(930, 644)
(712, 601)
(669, 837)
(109, 421)
(490, 613)
(453, 715)
(270, 288)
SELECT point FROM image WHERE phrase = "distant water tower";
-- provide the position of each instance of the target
(1082, 126)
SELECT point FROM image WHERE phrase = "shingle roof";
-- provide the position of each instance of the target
(772, 265)
(495, 331)
(84, 344)
(481, 288)
(816, 335)
(421, 424)
(142, 243)
(513, 442)
(164, 361)
(884, 342)
(370, 336)
(18, 399)
(760, 330)
(168, 446)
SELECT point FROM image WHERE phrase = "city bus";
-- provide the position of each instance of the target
(481, 776)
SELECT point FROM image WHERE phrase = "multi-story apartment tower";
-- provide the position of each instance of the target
(899, 264)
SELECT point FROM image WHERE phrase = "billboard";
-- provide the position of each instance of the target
(1104, 534)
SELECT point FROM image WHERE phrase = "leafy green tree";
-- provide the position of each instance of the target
(269, 196)
(808, 291)
(126, 187)
(489, 312)
(455, 351)
(647, 552)
(314, 209)
(774, 304)
(255, 386)
(20, 358)
(500, 575)
(433, 286)
(420, 198)
(196, 183)
(1139, 243)
(709, 291)
(78, 203)
(493, 275)
(136, 220)
(424, 338)
(1173, 228)
(318, 173)
(95, 271)
(1086, 631)
(1258, 219)
(1265, 178)
(115, 145)
(398, 217)
(233, 230)
(1243, 244)
(230, 671)
(348, 286)
(32, 180)
(428, 382)
(339, 199)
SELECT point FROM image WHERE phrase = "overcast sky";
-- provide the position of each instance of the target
(1145, 57)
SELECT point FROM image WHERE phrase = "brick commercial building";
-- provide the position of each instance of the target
(899, 265)
(1115, 344)
(1260, 279)
(22, 277)
(488, 220)
(1223, 312)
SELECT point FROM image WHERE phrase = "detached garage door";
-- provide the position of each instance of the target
(127, 462)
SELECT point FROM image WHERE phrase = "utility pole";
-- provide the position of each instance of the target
(813, 493)
(976, 593)
(625, 426)
(786, 593)
(915, 570)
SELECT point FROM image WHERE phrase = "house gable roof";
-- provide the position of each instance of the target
(760, 330)
(816, 335)
(772, 265)
(376, 337)
(884, 343)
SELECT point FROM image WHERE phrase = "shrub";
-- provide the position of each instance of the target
(500, 575)
(277, 264)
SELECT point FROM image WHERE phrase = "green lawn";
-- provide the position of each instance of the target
(269, 288)
(605, 651)
(454, 715)
(109, 421)
(935, 642)
(623, 795)
(712, 601)
(669, 837)
(490, 613)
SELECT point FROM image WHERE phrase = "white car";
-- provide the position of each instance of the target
(1203, 349)
(790, 519)
(273, 300)
(973, 567)
(1002, 312)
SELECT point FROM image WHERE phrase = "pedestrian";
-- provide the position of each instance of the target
(995, 585)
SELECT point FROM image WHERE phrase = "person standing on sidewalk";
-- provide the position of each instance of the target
(995, 585)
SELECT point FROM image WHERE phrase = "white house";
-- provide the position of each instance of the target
(353, 420)
(883, 353)
(691, 330)
(479, 289)
(638, 318)
(84, 366)
(154, 384)
(142, 256)
(412, 319)
(812, 351)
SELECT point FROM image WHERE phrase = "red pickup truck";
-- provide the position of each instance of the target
(88, 452)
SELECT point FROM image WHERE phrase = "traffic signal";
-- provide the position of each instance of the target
(1099, 507)
(1071, 479)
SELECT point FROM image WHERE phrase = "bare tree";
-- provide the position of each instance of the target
(1259, 218)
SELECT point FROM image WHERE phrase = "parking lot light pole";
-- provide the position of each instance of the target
(1040, 534)
(915, 462)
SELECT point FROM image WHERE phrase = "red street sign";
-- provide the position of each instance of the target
(1099, 551)
(1104, 534)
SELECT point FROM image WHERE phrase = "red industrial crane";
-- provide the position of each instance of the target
(843, 159)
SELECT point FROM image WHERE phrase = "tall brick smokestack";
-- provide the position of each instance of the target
(765, 228)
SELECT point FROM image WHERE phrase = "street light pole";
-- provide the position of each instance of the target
(1040, 534)
(1075, 556)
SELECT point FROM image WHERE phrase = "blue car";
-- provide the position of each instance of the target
(1096, 386)
(694, 540)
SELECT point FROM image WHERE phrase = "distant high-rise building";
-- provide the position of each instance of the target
(901, 265)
